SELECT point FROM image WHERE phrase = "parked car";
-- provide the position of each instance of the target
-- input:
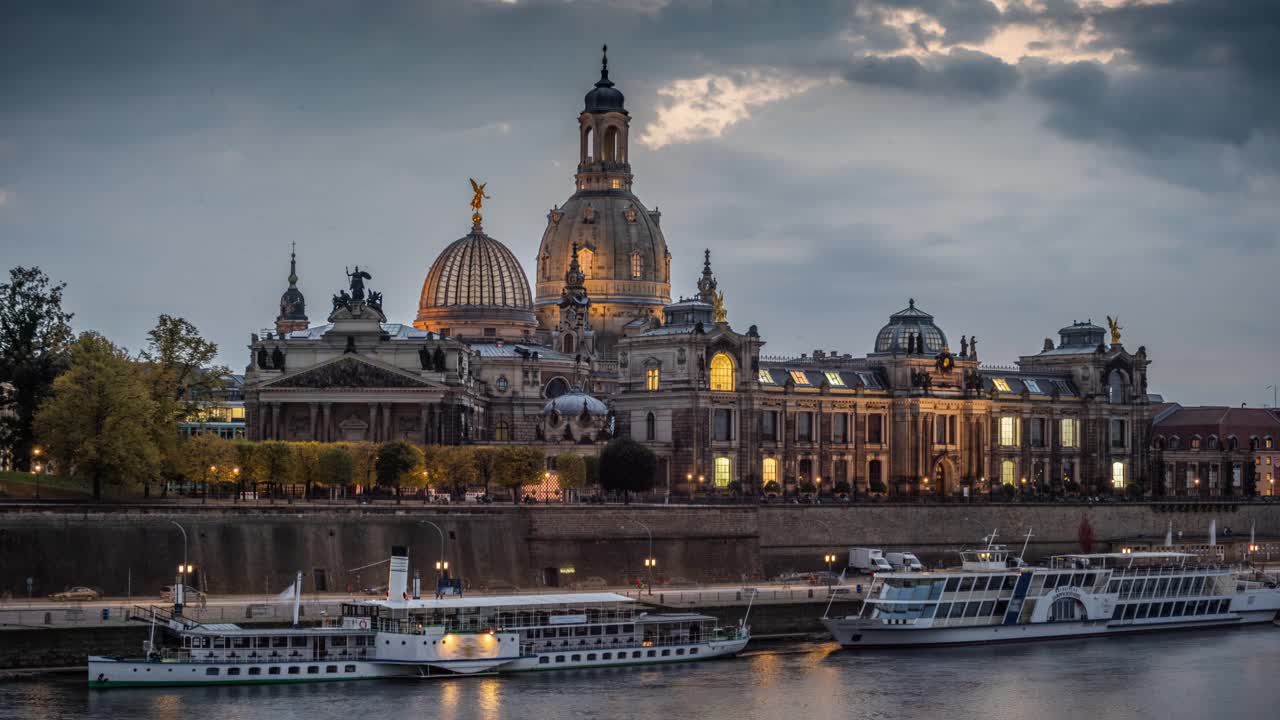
(78, 592)
(189, 594)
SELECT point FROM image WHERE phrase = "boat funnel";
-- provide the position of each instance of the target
(398, 577)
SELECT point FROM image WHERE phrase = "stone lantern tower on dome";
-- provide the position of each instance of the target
(293, 307)
(622, 254)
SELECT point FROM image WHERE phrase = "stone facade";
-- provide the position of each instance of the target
(1207, 451)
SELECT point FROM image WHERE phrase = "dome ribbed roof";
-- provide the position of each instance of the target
(575, 402)
(475, 279)
(907, 323)
(479, 271)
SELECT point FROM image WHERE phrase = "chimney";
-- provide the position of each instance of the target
(398, 577)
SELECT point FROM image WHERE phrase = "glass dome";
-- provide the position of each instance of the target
(907, 324)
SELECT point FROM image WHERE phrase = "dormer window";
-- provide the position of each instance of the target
(1000, 384)
(834, 379)
(799, 377)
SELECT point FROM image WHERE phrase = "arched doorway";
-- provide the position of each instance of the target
(940, 478)
(943, 480)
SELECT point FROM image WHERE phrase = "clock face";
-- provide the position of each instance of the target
(502, 383)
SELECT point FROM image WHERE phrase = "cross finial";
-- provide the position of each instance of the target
(911, 302)
(293, 264)
(604, 58)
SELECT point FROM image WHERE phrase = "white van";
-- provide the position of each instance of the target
(904, 561)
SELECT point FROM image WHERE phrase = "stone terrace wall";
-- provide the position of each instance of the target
(258, 550)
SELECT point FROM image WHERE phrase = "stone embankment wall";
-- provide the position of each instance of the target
(258, 550)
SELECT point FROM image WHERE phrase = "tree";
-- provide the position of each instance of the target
(571, 473)
(206, 458)
(306, 464)
(35, 335)
(272, 463)
(772, 487)
(877, 486)
(592, 464)
(807, 487)
(244, 467)
(395, 461)
(97, 424)
(458, 469)
(628, 466)
(363, 457)
(517, 467)
(486, 461)
(335, 466)
(841, 487)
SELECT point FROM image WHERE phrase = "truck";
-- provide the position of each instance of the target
(904, 561)
(869, 560)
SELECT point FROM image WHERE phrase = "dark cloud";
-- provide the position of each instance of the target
(962, 73)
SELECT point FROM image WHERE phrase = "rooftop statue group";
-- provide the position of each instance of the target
(357, 295)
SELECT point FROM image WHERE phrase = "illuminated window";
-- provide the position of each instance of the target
(1268, 443)
(799, 378)
(1033, 386)
(765, 377)
(722, 372)
(616, 184)
(1117, 475)
(502, 430)
(651, 379)
(1006, 473)
(637, 265)
(585, 256)
(769, 470)
(834, 379)
(1195, 443)
(722, 472)
(1068, 430)
(1000, 384)
(1009, 431)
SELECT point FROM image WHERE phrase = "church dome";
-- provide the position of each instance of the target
(292, 306)
(906, 325)
(604, 97)
(476, 287)
(574, 403)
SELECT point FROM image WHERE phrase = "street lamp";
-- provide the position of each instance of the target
(829, 559)
(37, 467)
(442, 566)
(650, 563)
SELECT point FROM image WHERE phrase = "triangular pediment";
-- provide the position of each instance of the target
(350, 371)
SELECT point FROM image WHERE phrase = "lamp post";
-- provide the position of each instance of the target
(36, 467)
(829, 559)
(183, 569)
(442, 566)
(204, 498)
(650, 562)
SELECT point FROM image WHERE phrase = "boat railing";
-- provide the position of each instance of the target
(212, 657)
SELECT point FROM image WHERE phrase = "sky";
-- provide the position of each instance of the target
(1013, 165)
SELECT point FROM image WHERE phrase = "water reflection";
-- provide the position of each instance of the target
(1183, 675)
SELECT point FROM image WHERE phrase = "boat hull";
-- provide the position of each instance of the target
(105, 672)
(863, 634)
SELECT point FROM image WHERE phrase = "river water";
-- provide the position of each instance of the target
(1196, 674)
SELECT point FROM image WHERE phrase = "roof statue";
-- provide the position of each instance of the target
(477, 200)
(357, 282)
(1116, 327)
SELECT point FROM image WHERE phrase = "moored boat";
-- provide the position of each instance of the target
(992, 598)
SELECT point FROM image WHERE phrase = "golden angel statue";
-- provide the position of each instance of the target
(477, 200)
(721, 314)
(1116, 327)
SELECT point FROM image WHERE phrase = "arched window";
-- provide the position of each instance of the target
(1117, 393)
(1268, 443)
(588, 146)
(1213, 442)
(557, 387)
(1233, 443)
(875, 473)
(722, 474)
(769, 470)
(1175, 443)
(722, 374)
(585, 258)
(568, 343)
(1195, 442)
(637, 265)
(502, 430)
(1253, 443)
(1117, 475)
(611, 144)
(1158, 442)
(1008, 471)
(650, 427)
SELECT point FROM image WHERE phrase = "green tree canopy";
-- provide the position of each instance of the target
(35, 335)
(207, 458)
(571, 472)
(336, 466)
(395, 463)
(98, 424)
(272, 462)
(517, 467)
(628, 466)
(306, 464)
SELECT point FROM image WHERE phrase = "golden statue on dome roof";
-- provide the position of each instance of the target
(1116, 327)
(477, 200)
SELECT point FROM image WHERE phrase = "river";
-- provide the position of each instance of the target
(1196, 674)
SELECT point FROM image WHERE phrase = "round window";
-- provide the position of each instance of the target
(502, 383)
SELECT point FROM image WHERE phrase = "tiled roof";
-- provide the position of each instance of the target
(777, 377)
(1220, 420)
(1033, 383)
(511, 350)
(397, 331)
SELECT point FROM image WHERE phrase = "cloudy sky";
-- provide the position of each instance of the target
(1012, 164)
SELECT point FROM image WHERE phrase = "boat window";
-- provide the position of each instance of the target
(241, 642)
(679, 651)
(607, 656)
(233, 671)
(1143, 609)
(298, 641)
(544, 660)
(1118, 612)
(559, 658)
(966, 584)
(1090, 579)
(1166, 609)
(953, 584)
(580, 631)
(610, 629)
(957, 610)
(596, 629)
(1010, 581)
(935, 590)
(591, 656)
(635, 654)
(649, 653)
(665, 653)
(1077, 580)
(1162, 587)
(1129, 611)
(693, 651)
(211, 671)
(294, 670)
(313, 669)
(219, 642)
(1179, 608)
(1125, 588)
(331, 668)
(628, 628)
(1113, 586)
(1002, 607)
(971, 609)
(986, 609)
(255, 671)
(1202, 607)
(944, 610)
(273, 671)
(928, 611)
(279, 641)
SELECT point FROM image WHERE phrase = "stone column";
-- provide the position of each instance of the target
(326, 421)
(373, 422)
(388, 430)
(423, 412)
(312, 436)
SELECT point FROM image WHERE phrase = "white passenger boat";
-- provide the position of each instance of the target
(988, 601)
(405, 637)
